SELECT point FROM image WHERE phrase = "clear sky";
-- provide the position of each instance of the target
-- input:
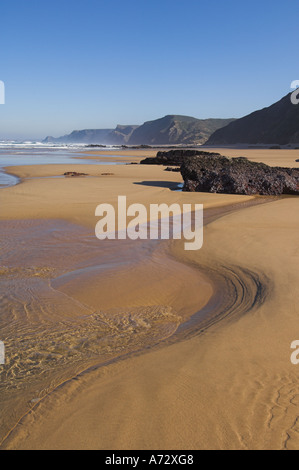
(77, 64)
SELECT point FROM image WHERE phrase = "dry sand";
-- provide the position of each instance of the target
(227, 385)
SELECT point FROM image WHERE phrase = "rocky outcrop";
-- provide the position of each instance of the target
(72, 174)
(175, 157)
(218, 174)
(174, 169)
(214, 173)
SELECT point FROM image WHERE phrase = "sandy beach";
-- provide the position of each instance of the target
(143, 345)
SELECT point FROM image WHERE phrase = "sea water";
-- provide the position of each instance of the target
(13, 153)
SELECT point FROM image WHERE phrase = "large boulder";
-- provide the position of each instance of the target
(218, 174)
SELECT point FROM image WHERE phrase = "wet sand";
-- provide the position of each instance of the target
(216, 324)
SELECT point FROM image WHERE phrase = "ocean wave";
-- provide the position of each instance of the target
(31, 144)
(12, 144)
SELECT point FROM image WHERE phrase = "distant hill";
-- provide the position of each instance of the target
(117, 136)
(173, 129)
(277, 124)
(170, 130)
(121, 135)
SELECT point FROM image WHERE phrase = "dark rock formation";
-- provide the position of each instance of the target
(173, 168)
(214, 173)
(174, 157)
(96, 146)
(218, 174)
(74, 174)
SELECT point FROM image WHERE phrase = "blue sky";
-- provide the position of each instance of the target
(74, 64)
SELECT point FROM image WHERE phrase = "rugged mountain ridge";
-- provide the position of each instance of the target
(276, 124)
(118, 136)
(170, 130)
(175, 129)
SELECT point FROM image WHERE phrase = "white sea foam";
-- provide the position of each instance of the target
(28, 144)
(31, 144)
